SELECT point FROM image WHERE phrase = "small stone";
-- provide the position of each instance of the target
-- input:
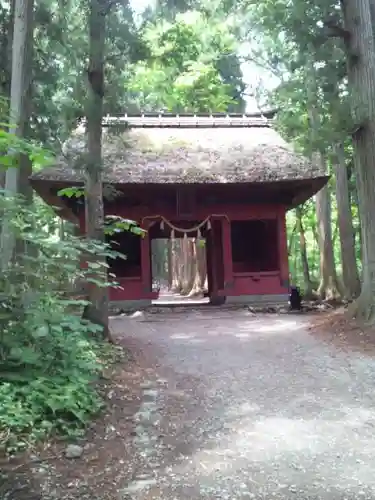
(150, 394)
(142, 477)
(139, 485)
(137, 314)
(146, 385)
(297, 466)
(162, 381)
(73, 451)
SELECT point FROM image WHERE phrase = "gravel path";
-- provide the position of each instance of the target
(249, 407)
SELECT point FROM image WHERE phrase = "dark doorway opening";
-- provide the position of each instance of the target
(129, 245)
(255, 246)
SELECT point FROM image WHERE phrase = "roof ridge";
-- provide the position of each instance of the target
(154, 120)
(258, 114)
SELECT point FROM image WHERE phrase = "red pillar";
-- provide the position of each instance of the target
(220, 259)
(283, 252)
(146, 262)
(209, 261)
(215, 261)
(217, 257)
(81, 228)
(227, 255)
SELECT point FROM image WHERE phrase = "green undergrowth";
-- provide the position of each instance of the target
(49, 378)
(50, 358)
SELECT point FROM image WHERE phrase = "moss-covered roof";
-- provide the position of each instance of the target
(185, 149)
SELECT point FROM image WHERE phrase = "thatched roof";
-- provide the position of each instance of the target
(185, 149)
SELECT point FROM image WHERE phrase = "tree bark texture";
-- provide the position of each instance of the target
(361, 76)
(358, 232)
(176, 266)
(16, 179)
(199, 259)
(97, 312)
(350, 276)
(200, 251)
(188, 265)
(328, 287)
(308, 287)
(170, 264)
(189, 269)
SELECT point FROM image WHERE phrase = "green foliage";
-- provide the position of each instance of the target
(311, 66)
(291, 41)
(49, 356)
(313, 255)
(201, 242)
(12, 146)
(136, 77)
(116, 224)
(187, 69)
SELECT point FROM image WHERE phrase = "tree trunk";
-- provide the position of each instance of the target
(16, 178)
(361, 76)
(176, 266)
(308, 288)
(7, 68)
(180, 265)
(345, 222)
(358, 232)
(97, 311)
(328, 288)
(190, 267)
(200, 250)
(199, 257)
(8, 50)
(184, 246)
(170, 264)
(291, 240)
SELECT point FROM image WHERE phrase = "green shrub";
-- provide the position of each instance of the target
(46, 376)
(49, 356)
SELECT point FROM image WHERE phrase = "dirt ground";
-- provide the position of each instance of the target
(223, 404)
(108, 452)
(336, 327)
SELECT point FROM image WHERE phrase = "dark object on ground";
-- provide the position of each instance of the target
(295, 299)
(217, 301)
